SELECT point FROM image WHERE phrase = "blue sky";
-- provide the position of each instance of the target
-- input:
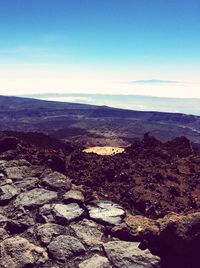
(100, 46)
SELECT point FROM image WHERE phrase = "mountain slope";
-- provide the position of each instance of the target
(93, 125)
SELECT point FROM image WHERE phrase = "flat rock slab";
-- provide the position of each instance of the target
(7, 192)
(17, 173)
(96, 261)
(17, 252)
(89, 232)
(46, 232)
(106, 211)
(61, 213)
(21, 169)
(65, 247)
(35, 197)
(56, 180)
(128, 255)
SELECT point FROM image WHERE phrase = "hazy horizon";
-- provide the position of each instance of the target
(133, 102)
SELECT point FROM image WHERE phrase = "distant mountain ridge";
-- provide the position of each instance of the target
(91, 125)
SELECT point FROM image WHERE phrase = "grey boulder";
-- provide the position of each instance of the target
(17, 172)
(56, 180)
(89, 232)
(128, 255)
(47, 231)
(65, 247)
(35, 197)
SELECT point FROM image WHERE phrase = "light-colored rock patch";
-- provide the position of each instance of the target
(106, 211)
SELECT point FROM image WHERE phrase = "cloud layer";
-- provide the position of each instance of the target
(154, 81)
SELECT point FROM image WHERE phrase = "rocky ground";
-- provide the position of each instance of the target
(60, 207)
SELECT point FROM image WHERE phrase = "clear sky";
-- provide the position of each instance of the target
(149, 47)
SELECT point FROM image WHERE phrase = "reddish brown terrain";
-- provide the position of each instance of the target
(157, 185)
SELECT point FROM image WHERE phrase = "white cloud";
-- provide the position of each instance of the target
(69, 99)
(29, 78)
(153, 81)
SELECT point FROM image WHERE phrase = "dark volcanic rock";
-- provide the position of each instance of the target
(179, 146)
(19, 221)
(46, 232)
(7, 192)
(18, 172)
(89, 232)
(35, 197)
(8, 143)
(179, 239)
(128, 254)
(65, 247)
(57, 181)
(28, 184)
(149, 180)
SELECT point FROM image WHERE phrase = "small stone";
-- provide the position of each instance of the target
(73, 196)
(57, 181)
(68, 212)
(96, 261)
(18, 252)
(128, 254)
(89, 232)
(106, 211)
(7, 192)
(64, 247)
(47, 231)
(35, 197)
(3, 220)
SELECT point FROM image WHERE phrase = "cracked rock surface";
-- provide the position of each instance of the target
(45, 222)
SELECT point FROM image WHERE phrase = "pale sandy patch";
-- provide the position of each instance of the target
(104, 150)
